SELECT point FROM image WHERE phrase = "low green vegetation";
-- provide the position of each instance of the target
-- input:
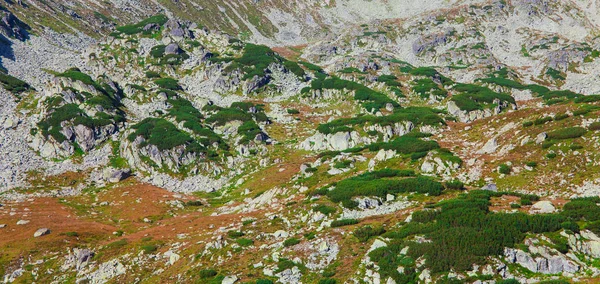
(462, 231)
(13, 84)
(291, 242)
(426, 87)
(168, 83)
(473, 97)
(255, 61)
(567, 133)
(164, 135)
(364, 233)
(417, 115)
(379, 184)
(372, 100)
(137, 28)
(243, 242)
(344, 222)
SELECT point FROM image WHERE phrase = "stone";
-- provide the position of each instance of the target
(541, 138)
(119, 175)
(84, 256)
(41, 232)
(229, 279)
(172, 48)
(542, 207)
(22, 222)
(489, 147)
(280, 234)
(2, 226)
(490, 187)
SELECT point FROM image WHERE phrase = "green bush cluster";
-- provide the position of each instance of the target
(164, 135)
(372, 100)
(567, 133)
(366, 232)
(240, 111)
(426, 87)
(405, 145)
(416, 115)
(344, 222)
(473, 97)
(327, 210)
(256, 59)
(207, 273)
(291, 242)
(244, 242)
(463, 232)
(168, 83)
(346, 189)
(389, 80)
(541, 91)
(139, 27)
(504, 169)
(51, 124)
(582, 209)
(12, 84)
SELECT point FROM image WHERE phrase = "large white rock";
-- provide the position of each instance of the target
(41, 232)
(542, 207)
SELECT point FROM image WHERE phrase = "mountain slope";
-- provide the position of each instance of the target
(300, 142)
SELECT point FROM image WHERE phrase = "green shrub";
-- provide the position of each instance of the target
(194, 203)
(264, 281)
(161, 133)
(343, 222)
(364, 233)
(416, 115)
(454, 185)
(426, 87)
(405, 145)
(291, 242)
(327, 281)
(594, 227)
(235, 234)
(117, 244)
(158, 51)
(152, 74)
(149, 248)
(12, 84)
(327, 210)
(525, 202)
(380, 187)
(567, 133)
(515, 206)
(463, 233)
(594, 126)
(504, 169)
(292, 111)
(508, 281)
(342, 164)
(207, 273)
(527, 123)
(561, 116)
(542, 120)
(168, 83)
(474, 97)
(551, 155)
(571, 226)
(310, 236)
(244, 242)
(582, 209)
(531, 164)
(139, 27)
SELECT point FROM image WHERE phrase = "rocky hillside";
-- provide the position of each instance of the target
(342, 141)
